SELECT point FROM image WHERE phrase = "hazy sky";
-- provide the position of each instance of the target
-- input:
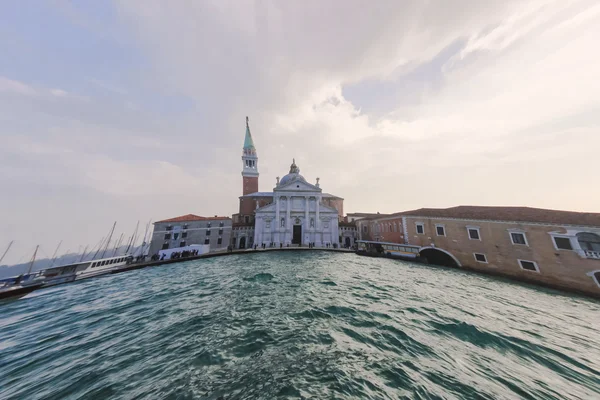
(131, 110)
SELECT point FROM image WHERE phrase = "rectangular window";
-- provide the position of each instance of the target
(167, 236)
(247, 219)
(182, 244)
(221, 224)
(480, 258)
(563, 243)
(364, 229)
(207, 241)
(518, 238)
(219, 240)
(169, 228)
(440, 231)
(183, 235)
(529, 265)
(165, 246)
(420, 229)
(208, 232)
(185, 226)
(474, 233)
(220, 231)
(209, 224)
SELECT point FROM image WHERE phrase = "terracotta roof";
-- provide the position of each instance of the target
(367, 215)
(191, 217)
(517, 214)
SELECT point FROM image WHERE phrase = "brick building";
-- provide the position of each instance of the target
(191, 229)
(557, 248)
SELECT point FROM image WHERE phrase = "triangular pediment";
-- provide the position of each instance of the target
(297, 186)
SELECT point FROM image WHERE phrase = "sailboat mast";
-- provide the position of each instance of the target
(109, 238)
(144, 241)
(33, 259)
(6, 251)
(117, 245)
(54, 255)
(99, 247)
(84, 250)
(132, 237)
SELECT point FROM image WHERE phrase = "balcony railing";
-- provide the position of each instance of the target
(592, 254)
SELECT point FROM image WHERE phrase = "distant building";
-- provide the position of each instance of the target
(558, 248)
(191, 229)
(294, 213)
(380, 227)
(348, 233)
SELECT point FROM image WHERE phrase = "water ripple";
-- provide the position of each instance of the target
(299, 325)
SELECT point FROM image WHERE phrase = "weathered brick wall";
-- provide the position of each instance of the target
(250, 185)
(557, 267)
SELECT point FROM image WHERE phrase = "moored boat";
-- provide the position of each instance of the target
(84, 269)
(20, 285)
(389, 250)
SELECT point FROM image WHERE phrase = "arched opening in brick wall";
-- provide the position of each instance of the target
(440, 257)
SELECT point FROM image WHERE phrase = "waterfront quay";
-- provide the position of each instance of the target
(223, 253)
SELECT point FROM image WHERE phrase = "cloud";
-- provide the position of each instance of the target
(15, 87)
(468, 102)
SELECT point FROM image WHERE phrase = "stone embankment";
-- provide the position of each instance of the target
(132, 267)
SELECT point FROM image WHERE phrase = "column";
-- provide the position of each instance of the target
(277, 223)
(306, 220)
(318, 233)
(317, 220)
(288, 210)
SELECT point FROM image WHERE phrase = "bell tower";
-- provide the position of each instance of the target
(250, 164)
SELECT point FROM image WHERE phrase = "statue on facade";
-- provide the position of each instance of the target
(294, 168)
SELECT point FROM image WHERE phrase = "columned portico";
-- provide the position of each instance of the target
(298, 213)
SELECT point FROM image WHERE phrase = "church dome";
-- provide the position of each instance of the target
(294, 175)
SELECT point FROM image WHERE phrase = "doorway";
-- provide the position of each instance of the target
(297, 234)
(243, 242)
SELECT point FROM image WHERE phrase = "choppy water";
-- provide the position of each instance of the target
(299, 325)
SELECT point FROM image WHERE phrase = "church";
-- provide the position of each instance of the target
(295, 213)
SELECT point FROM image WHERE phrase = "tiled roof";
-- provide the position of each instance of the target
(374, 215)
(516, 214)
(192, 217)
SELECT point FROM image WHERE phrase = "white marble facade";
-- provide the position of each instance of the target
(296, 215)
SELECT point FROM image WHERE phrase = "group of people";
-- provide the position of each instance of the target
(270, 245)
(176, 254)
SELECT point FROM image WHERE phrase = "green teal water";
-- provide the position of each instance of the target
(299, 325)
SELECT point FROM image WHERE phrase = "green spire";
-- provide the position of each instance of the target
(248, 143)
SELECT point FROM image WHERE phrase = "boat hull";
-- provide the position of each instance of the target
(18, 291)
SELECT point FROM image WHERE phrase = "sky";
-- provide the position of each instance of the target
(135, 109)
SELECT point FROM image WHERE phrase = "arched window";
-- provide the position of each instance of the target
(589, 241)
(312, 222)
(283, 222)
